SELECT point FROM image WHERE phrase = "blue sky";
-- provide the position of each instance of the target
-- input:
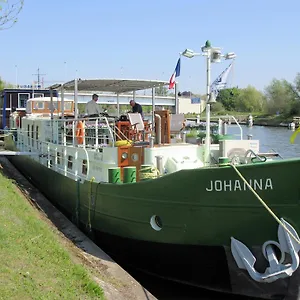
(142, 39)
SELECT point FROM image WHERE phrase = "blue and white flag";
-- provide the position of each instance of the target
(221, 81)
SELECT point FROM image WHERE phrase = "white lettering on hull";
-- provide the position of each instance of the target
(238, 185)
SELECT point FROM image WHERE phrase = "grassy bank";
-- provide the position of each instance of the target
(34, 263)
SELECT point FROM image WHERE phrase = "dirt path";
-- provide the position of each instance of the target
(115, 281)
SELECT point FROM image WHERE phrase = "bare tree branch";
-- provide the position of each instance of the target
(9, 11)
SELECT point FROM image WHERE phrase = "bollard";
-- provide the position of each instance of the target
(224, 128)
(159, 164)
(151, 141)
(114, 175)
(129, 175)
(183, 136)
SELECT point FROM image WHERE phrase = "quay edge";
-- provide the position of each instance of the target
(111, 273)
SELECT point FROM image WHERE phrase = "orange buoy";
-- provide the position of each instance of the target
(80, 132)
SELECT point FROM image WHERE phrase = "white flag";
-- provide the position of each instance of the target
(221, 81)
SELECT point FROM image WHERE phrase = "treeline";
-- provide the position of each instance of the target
(4, 84)
(279, 97)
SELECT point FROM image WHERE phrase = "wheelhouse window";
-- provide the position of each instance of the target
(22, 99)
(37, 95)
(38, 105)
(53, 106)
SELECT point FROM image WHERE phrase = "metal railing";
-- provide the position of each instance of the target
(84, 132)
(55, 157)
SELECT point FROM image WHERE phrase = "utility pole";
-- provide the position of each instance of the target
(38, 77)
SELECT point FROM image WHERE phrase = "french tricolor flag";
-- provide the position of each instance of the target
(174, 75)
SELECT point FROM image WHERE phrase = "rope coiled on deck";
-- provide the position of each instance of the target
(149, 173)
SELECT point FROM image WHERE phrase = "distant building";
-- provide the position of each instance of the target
(191, 105)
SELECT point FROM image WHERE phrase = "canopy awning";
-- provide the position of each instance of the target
(117, 86)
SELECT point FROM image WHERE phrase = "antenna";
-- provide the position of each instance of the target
(38, 77)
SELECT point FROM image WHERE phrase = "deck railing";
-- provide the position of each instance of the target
(84, 132)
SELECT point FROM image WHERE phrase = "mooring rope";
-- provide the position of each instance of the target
(149, 173)
(264, 204)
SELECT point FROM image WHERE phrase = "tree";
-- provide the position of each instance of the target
(250, 100)
(217, 107)
(9, 12)
(4, 84)
(297, 84)
(281, 96)
(161, 91)
(295, 105)
(228, 97)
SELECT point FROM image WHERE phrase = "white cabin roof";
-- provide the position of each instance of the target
(117, 86)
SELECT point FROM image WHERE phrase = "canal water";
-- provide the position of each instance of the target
(272, 139)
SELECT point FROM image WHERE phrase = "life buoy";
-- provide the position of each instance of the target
(80, 132)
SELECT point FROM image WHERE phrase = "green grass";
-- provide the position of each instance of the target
(34, 264)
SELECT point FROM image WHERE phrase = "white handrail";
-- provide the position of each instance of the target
(238, 124)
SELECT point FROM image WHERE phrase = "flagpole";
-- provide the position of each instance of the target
(174, 84)
(213, 55)
(176, 99)
(207, 138)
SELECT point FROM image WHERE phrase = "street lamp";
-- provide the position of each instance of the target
(213, 55)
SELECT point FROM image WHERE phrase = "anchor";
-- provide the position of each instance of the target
(276, 270)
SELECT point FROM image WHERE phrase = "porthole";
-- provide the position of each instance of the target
(124, 155)
(135, 157)
(156, 223)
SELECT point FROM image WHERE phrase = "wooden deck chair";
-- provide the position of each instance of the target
(137, 127)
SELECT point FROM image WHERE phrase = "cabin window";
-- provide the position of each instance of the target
(38, 105)
(37, 95)
(84, 167)
(53, 106)
(68, 105)
(28, 130)
(58, 158)
(70, 162)
(37, 136)
(37, 132)
(22, 99)
(32, 135)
